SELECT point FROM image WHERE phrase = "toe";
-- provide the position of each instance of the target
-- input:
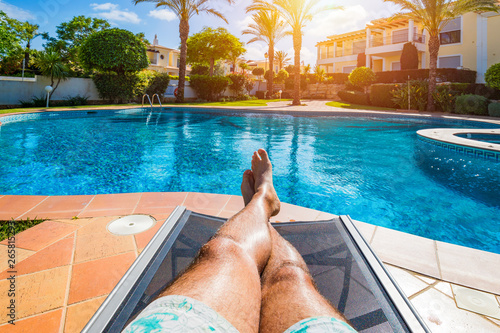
(263, 155)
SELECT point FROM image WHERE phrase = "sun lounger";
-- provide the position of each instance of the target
(345, 269)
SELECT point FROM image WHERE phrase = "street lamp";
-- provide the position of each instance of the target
(48, 89)
(266, 55)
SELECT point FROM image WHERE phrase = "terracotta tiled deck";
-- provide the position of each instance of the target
(66, 267)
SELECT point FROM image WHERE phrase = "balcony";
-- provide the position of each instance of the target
(396, 39)
(393, 45)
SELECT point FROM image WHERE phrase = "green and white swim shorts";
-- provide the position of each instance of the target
(184, 314)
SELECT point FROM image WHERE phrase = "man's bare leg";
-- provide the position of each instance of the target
(288, 291)
(226, 274)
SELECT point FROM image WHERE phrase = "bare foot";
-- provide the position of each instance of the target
(247, 186)
(263, 175)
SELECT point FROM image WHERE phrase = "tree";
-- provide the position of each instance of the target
(434, 14)
(267, 28)
(185, 9)
(51, 64)
(362, 77)
(282, 58)
(307, 69)
(27, 33)
(71, 35)
(9, 41)
(244, 66)
(114, 50)
(296, 13)
(409, 56)
(361, 60)
(492, 76)
(319, 73)
(259, 71)
(282, 76)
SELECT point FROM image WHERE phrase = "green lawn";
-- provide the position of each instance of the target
(252, 102)
(357, 106)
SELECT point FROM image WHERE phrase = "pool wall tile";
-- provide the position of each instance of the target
(468, 151)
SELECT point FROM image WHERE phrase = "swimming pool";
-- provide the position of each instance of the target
(373, 168)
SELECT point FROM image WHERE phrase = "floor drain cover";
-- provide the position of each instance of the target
(476, 301)
(131, 225)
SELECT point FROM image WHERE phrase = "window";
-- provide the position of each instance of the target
(449, 62)
(451, 32)
(396, 66)
(348, 69)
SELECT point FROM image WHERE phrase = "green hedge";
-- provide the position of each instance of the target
(494, 109)
(443, 74)
(471, 104)
(381, 95)
(209, 88)
(337, 78)
(118, 88)
(354, 97)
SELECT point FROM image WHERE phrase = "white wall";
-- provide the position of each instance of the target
(14, 89)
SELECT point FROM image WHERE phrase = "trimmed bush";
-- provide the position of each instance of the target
(362, 77)
(492, 76)
(209, 88)
(409, 57)
(118, 88)
(240, 84)
(381, 95)
(158, 84)
(354, 97)
(494, 109)
(443, 74)
(471, 104)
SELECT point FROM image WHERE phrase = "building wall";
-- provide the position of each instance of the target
(493, 40)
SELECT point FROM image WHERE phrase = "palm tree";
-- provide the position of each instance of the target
(281, 58)
(319, 73)
(268, 28)
(307, 69)
(296, 13)
(185, 9)
(434, 14)
(51, 64)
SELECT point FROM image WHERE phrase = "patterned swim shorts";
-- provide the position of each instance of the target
(184, 314)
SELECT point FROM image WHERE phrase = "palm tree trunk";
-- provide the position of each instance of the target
(184, 34)
(271, 68)
(297, 45)
(434, 44)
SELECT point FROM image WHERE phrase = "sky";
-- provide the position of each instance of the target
(145, 18)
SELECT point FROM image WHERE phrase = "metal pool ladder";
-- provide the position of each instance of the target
(149, 99)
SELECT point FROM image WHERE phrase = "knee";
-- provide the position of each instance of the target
(289, 273)
(221, 247)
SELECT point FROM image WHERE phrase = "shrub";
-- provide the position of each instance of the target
(418, 95)
(290, 82)
(76, 100)
(362, 77)
(118, 88)
(240, 83)
(492, 76)
(282, 75)
(158, 84)
(337, 78)
(445, 95)
(209, 88)
(494, 109)
(471, 104)
(198, 69)
(381, 95)
(261, 94)
(443, 74)
(354, 97)
(409, 57)
(269, 75)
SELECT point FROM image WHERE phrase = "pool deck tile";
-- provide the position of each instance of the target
(14, 206)
(52, 231)
(460, 265)
(156, 202)
(95, 242)
(410, 284)
(235, 204)
(292, 213)
(38, 292)
(56, 255)
(98, 277)
(111, 204)
(401, 249)
(21, 255)
(366, 229)
(79, 314)
(48, 322)
(142, 239)
(197, 201)
(59, 207)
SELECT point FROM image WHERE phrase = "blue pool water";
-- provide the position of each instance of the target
(374, 169)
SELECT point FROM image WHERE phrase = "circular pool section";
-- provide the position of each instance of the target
(373, 168)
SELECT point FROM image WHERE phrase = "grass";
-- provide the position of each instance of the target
(8, 228)
(344, 105)
(251, 102)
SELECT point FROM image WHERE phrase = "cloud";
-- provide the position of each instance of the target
(338, 21)
(113, 13)
(163, 14)
(16, 12)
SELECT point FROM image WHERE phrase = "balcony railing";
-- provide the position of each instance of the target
(398, 39)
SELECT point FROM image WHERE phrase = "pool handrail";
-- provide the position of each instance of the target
(149, 99)
(159, 101)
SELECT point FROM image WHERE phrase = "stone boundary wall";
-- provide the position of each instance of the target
(322, 91)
